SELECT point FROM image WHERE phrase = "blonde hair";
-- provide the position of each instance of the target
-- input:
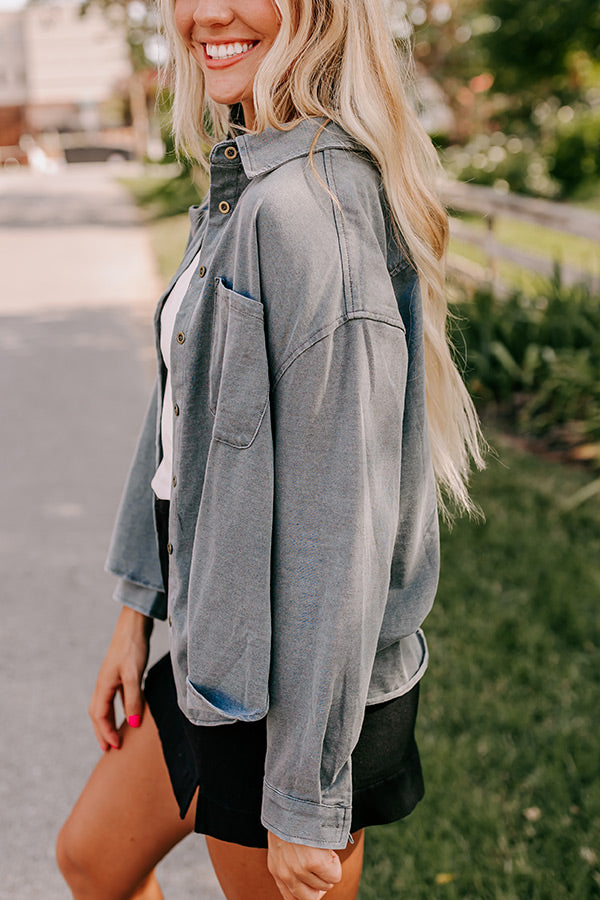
(337, 59)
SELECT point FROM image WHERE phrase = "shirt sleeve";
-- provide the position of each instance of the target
(146, 600)
(337, 429)
(133, 554)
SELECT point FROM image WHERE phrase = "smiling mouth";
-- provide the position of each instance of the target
(229, 51)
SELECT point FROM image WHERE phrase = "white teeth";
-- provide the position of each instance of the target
(224, 51)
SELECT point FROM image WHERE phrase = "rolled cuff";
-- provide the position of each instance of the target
(146, 600)
(304, 821)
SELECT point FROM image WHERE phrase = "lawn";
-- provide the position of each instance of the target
(508, 726)
(556, 246)
(168, 238)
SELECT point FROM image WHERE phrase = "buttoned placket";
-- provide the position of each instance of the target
(191, 298)
(227, 181)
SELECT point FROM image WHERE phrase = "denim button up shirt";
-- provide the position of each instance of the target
(303, 524)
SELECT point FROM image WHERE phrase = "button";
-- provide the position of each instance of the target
(169, 548)
(170, 622)
(174, 481)
(231, 152)
(202, 271)
(176, 409)
(224, 207)
(180, 337)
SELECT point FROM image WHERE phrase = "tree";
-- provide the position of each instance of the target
(533, 47)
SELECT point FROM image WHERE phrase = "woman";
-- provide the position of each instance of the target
(281, 507)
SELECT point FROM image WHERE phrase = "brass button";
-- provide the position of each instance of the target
(180, 337)
(169, 548)
(224, 207)
(174, 482)
(176, 409)
(170, 622)
(202, 271)
(231, 152)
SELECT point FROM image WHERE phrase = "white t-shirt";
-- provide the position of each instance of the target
(161, 483)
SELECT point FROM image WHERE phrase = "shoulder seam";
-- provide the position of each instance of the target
(338, 219)
(327, 330)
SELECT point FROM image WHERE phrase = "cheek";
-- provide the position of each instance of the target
(184, 19)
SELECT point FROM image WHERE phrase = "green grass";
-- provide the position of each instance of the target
(513, 276)
(545, 242)
(508, 727)
(168, 238)
(567, 249)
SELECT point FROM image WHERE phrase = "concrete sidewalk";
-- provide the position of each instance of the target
(77, 291)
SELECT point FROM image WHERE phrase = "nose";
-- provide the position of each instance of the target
(213, 13)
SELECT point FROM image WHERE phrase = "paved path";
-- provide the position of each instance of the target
(77, 289)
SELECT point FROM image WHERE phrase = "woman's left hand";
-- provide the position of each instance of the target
(300, 872)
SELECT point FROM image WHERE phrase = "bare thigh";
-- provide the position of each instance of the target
(126, 819)
(243, 873)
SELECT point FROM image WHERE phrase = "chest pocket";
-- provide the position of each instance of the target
(239, 372)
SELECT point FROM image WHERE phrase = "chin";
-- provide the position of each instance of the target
(224, 96)
(225, 99)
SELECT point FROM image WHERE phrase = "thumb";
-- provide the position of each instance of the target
(334, 868)
(133, 702)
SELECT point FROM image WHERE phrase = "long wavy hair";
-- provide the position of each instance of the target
(338, 59)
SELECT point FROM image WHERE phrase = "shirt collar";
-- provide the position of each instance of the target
(263, 152)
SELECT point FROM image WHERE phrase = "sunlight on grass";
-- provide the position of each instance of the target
(168, 238)
(568, 249)
(511, 275)
(546, 243)
(508, 727)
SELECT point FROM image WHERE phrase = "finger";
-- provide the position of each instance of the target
(315, 881)
(103, 720)
(313, 876)
(106, 733)
(329, 870)
(133, 701)
(102, 715)
(302, 891)
(283, 890)
(104, 745)
(299, 892)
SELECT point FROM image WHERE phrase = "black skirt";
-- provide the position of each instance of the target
(226, 762)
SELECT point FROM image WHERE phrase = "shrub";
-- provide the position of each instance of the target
(575, 153)
(536, 360)
(504, 161)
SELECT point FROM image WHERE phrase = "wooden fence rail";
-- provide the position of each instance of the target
(490, 204)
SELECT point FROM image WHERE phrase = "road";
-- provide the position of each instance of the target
(77, 290)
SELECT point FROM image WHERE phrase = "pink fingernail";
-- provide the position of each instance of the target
(134, 721)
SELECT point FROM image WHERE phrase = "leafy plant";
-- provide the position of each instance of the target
(575, 152)
(504, 161)
(537, 361)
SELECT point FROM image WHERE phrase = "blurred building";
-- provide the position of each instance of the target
(13, 80)
(59, 70)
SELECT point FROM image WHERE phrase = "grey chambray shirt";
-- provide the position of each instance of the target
(303, 523)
